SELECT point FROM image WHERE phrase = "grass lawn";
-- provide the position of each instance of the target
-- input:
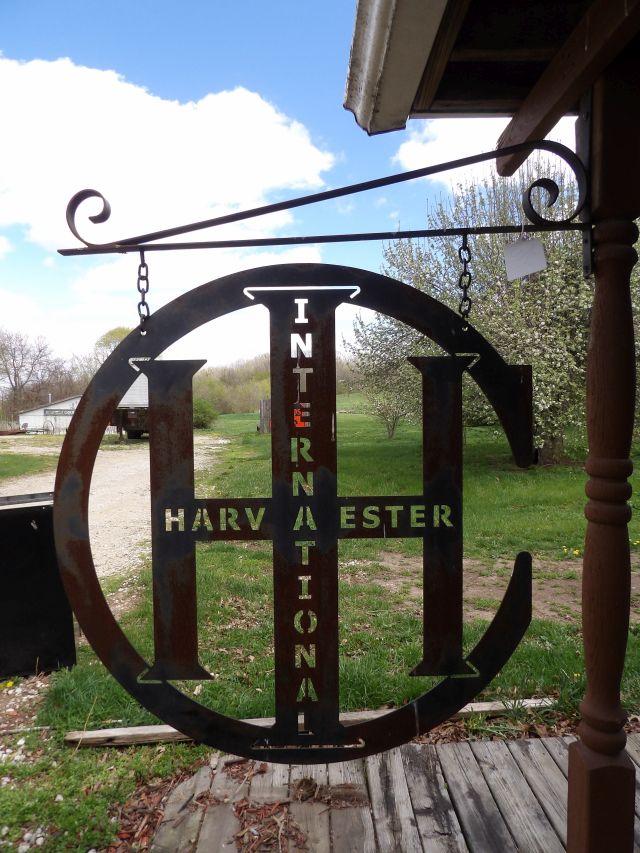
(354, 403)
(16, 464)
(506, 510)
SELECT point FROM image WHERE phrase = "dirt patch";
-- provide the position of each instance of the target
(533, 726)
(119, 503)
(19, 703)
(341, 796)
(556, 585)
(30, 445)
(205, 450)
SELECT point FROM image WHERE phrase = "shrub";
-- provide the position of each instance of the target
(203, 414)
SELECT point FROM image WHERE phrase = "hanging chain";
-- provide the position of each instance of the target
(464, 280)
(143, 289)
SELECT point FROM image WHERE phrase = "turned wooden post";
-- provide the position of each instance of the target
(601, 775)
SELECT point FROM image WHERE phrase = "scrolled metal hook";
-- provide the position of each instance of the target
(548, 185)
(551, 188)
(97, 218)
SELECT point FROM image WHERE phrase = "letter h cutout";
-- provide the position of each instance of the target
(173, 556)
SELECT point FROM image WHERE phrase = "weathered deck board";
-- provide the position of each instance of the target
(633, 751)
(484, 828)
(633, 748)
(128, 735)
(558, 748)
(180, 825)
(437, 821)
(477, 797)
(393, 817)
(352, 827)
(272, 786)
(522, 812)
(220, 824)
(311, 816)
(545, 779)
(637, 803)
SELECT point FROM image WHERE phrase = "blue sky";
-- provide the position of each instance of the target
(166, 147)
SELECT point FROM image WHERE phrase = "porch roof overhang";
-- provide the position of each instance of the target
(430, 58)
(390, 40)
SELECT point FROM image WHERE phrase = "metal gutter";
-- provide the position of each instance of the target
(392, 40)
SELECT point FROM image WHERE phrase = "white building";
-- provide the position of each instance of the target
(55, 417)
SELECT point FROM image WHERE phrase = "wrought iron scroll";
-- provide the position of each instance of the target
(538, 222)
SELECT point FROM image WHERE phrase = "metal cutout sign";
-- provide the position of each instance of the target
(304, 517)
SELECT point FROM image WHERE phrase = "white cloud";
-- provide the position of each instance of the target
(160, 163)
(345, 207)
(441, 140)
(5, 246)
(19, 310)
(105, 296)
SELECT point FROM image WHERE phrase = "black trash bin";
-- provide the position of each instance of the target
(36, 625)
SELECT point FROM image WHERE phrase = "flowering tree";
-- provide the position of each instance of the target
(542, 320)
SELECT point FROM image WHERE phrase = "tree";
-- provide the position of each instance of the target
(106, 343)
(542, 321)
(84, 367)
(385, 376)
(24, 363)
(237, 387)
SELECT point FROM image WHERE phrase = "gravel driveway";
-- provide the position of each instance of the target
(119, 503)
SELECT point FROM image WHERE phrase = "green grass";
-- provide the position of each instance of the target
(16, 464)
(506, 509)
(354, 403)
(380, 629)
(91, 784)
(379, 643)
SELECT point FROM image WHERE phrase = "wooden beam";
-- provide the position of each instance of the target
(166, 734)
(605, 30)
(502, 54)
(469, 108)
(440, 52)
(615, 140)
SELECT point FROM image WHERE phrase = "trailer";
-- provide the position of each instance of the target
(132, 414)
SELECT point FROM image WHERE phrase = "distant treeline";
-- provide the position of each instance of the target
(30, 375)
(239, 387)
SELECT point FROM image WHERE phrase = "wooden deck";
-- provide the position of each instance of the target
(479, 796)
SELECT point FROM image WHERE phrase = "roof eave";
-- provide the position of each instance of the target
(391, 40)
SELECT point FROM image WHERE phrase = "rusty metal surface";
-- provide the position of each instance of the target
(303, 517)
(172, 485)
(442, 486)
